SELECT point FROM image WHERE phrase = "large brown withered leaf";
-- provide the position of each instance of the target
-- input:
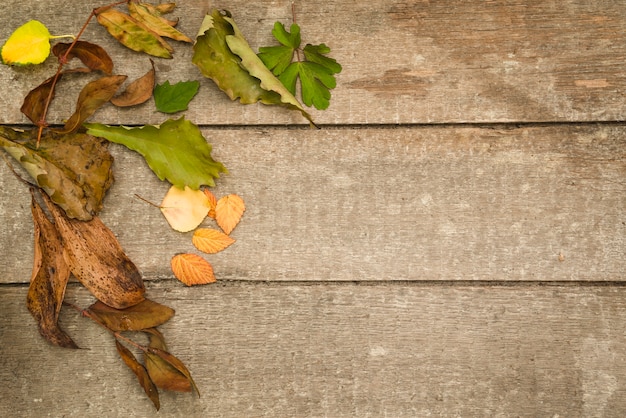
(49, 279)
(166, 370)
(137, 92)
(97, 260)
(92, 55)
(91, 97)
(74, 169)
(140, 371)
(145, 314)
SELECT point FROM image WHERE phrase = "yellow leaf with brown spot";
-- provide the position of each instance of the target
(211, 241)
(228, 212)
(191, 269)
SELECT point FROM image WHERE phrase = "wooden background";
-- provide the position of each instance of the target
(451, 242)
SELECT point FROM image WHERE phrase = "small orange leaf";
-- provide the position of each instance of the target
(210, 241)
(191, 269)
(184, 209)
(212, 203)
(228, 212)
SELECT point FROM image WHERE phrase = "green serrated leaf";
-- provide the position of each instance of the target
(172, 98)
(176, 151)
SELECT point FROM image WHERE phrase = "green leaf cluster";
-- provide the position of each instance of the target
(316, 71)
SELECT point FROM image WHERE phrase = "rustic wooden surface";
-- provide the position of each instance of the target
(452, 242)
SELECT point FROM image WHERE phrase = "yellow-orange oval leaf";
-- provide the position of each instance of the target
(191, 269)
(228, 212)
(210, 241)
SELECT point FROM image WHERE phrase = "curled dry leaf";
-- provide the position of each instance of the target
(145, 314)
(133, 34)
(191, 269)
(228, 212)
(211, 241)
(49, 279)
(141, 13)
(97, 260)
(140, 371)
(35, 101)
(184, 209)
(165, 369)
(93, 56)
(137, 92)
(91, 97)
(212, 203)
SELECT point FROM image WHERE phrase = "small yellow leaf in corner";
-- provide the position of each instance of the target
(29, 44)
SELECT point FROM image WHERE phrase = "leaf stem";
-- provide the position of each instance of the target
(293, 18)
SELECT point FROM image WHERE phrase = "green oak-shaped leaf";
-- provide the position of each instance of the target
(73, 169)
(316, 72)
(172, 98)
(223, 55)
(176, 151)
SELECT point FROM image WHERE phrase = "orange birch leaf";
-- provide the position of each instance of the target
(212, 203)
(228, 212)
(191, 269)
(210, 241)
(184, 209)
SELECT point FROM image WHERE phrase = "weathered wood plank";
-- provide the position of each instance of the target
(533, 203)
(340, 350)
(404, 61)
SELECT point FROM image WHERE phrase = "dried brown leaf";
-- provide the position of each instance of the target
(191, 269)
(137, 92)
(97, 260)
(210, 241)
(165, 369)
(92, 55)
(92, 96)
(228, 212)
(35, 101)
(140, 371)
(49, 279)
(145, 314)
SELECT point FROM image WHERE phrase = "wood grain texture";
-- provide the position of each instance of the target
(457, 203)
(404, 61)
(341, 351)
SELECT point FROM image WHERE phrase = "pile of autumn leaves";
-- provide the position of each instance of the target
(72, 168)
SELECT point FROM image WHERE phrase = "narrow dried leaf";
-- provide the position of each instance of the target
(228, 212)
(211, 241)
(137, 92)
(184, 209)
(49, 279)
(212, 203)
(35, 101)
(142, 14)
(145, 314)
(92, 96)
(191, 269)
(133, 34)
(73, 169)
(140, 371)
(165, 369)
(92, 55)
(97, 260)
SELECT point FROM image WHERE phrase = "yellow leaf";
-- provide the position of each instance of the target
(184, 209)
(191, 269)
(228, 212)
(210, 241)
(29, 44)
(212, 202)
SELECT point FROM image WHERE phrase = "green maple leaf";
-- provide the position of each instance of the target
(316, 72)
(176, 151)
(172, 98)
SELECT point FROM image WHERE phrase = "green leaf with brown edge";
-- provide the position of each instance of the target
(49, 279)
(176, 151)
(137, 92)
(73, 169)
(97, 259)
(92, 55)
(140, 371)
(91, 97)
(227, 68)
(133, 34)
(142, 14)
(166, 370)
(145, 314)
